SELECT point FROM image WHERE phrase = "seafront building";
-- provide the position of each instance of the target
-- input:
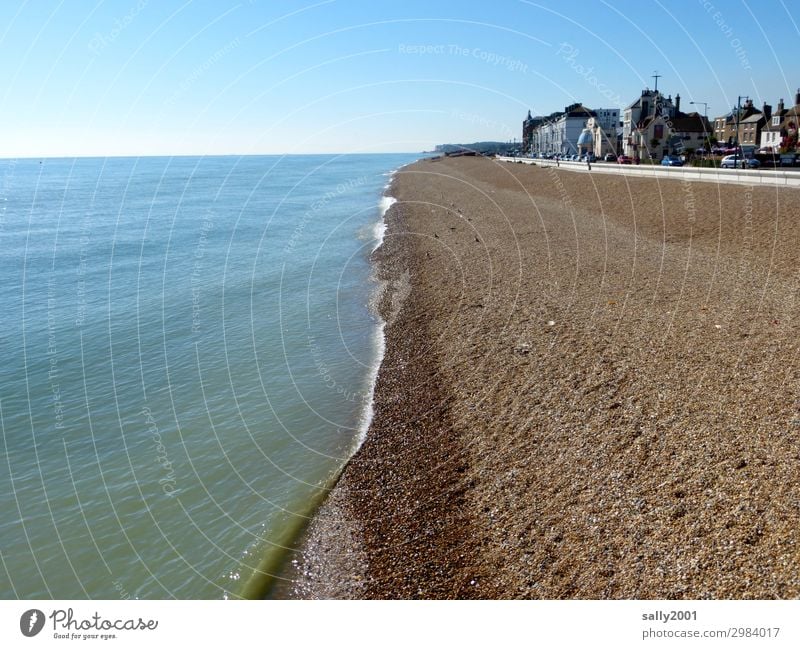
(779, 135)
(528, 126)
(608, 119)
(649, 104)
(750, 127)
(606, 136)
(653, 126)
(725, 126)
(558, 132)
(657, 136)
(765, 129)
(606, 130)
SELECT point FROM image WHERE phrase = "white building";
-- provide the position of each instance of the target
(649, 104)
(608, 120)
(603, 141)
(779, 125)
(658, 136)
(559, 132)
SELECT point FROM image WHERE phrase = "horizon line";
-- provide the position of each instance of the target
(201, 155)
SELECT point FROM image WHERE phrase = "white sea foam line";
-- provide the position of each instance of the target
(380, 226)
(369, 409)
(380, 339)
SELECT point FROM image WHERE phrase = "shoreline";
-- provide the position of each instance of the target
(340, 523)
(562, 410)
(268, 580)
(368, 413)
(274, 574)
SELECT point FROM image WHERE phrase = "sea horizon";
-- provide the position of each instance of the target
(207, 155)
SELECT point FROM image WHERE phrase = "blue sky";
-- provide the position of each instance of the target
(164, 77)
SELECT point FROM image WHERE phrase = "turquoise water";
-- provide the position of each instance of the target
(187, 353)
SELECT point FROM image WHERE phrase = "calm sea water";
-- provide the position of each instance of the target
(187, 356)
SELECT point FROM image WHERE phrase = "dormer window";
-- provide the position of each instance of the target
(776, 120)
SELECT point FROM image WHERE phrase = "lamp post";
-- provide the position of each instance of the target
(705, 120)
(705, 107)
(736, 141)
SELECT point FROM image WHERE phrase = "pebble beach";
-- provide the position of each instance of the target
(591, 390)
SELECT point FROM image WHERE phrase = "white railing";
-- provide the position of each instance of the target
(771, 177)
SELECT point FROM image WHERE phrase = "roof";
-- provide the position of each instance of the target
(649, 94)
(691, 123)
(754, 118)
(728, 117)
(581, 112)
(644, 123)
(777, 127)
(634, 104)
(786, 116)
(744, 113)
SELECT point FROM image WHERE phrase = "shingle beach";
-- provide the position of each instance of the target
(591, 389)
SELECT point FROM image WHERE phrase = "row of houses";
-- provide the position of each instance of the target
(769, 130)
(653, 126)
(559, 132)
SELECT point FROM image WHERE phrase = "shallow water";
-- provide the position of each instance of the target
(187, 354)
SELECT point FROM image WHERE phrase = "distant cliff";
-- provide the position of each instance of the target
(478, 147)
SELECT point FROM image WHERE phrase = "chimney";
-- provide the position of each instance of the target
(678, 103)
(780, 106)
(797, 97)
(767, 110)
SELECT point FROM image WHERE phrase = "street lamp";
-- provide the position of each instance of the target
(705, 107)
(736, 141)
(705, 118)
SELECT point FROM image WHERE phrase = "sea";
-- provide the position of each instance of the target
(188, 349)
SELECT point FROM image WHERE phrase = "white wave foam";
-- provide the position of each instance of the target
(379, 337)
(369, 409)
(380, 226)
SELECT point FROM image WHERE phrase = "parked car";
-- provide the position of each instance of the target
(588, 157)
(731, 161)
(671, 161)
(610, 157)
(624, 160)
(787, 160)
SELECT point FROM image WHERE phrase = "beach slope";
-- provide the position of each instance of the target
(590, 390)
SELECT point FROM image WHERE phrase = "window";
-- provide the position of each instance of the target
(776, 120)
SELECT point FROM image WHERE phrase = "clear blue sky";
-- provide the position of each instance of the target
(147, 77)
